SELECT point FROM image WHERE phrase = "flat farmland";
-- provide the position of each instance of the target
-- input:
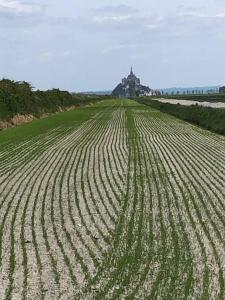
(112, 201)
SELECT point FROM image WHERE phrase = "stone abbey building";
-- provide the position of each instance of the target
(131, 87)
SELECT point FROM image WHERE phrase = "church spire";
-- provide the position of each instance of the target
(131, 70)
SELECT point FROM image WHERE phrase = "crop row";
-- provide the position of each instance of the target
(56, 223)
(127, 205)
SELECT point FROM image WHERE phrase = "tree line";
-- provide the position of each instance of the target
(20, 98)
(209, 118)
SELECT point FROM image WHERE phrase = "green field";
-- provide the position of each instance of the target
(112, 201)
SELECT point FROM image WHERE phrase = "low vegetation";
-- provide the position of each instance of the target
(206, 117)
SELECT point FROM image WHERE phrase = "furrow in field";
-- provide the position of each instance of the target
(57, 220)
(89, 162)
(13, 199)
(176, 193)
(24, 152)
(212, 160)
(13, 186)
(212, 143)
(128, 205)
(12, 242)
(123, 263)
(203, 177)
(26, 157)
(205, 147)
(145, 261)
(210, 227)
(176, 253)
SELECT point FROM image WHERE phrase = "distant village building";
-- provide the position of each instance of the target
(222, 90)
(132, 87)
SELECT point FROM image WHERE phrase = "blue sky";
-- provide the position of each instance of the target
(90, 45)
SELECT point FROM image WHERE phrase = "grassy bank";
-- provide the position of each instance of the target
(41, 126)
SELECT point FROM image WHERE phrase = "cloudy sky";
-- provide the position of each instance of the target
(89, 45)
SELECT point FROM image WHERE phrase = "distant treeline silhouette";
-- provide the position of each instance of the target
(20, 98)
(209, 118)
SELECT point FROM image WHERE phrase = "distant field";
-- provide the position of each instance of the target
(189, 102)
(199, 98)
(112, 201)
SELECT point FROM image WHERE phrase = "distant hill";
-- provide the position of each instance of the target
(131, 87)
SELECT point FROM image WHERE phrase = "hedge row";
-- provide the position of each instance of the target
(19, 98)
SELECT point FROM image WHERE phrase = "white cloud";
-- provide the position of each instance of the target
(112, 9)
(115, 19)
(153, 26)
(19, 8)
(66, 53)
(45, 56)
(204, 15)
(118, 47)
(93, 36)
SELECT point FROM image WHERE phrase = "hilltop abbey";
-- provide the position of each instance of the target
(132, 87)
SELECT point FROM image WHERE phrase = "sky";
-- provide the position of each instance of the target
(90, 45)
